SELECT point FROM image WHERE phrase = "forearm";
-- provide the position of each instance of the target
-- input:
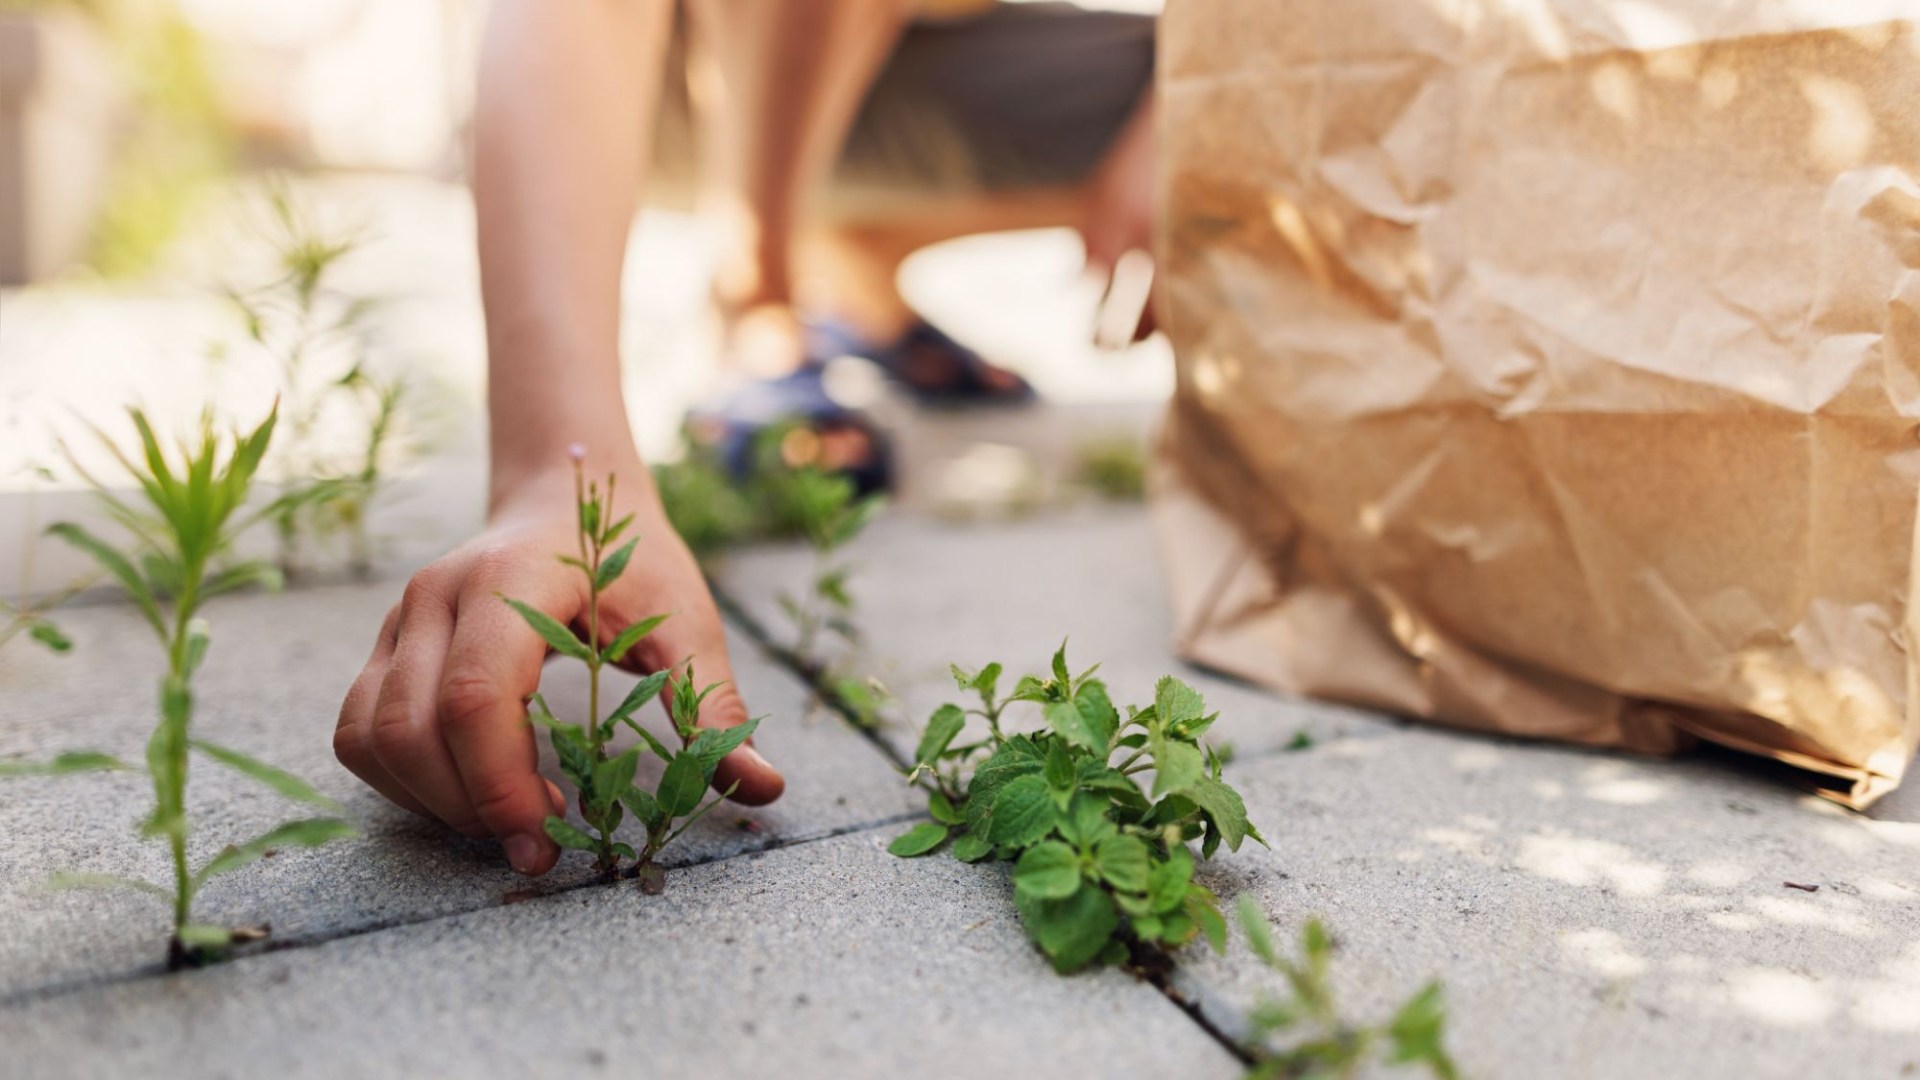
(560, 134)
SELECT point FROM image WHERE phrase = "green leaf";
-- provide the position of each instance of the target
(653, 742)
(1176, 702)
(243, 574)
(1085, 822)
(1097, 713)
(1222, 806)
(643, 691)
(613, 531)
(50, 635)
(308, 833)
(681, 785)
(550, 630)
(202, 936)
(713, 744)
(575, 753)
(69, 879)
(613, 566)
(643, 806)
(1123, 862)
(167, 760)
(1417, 1029)
(564, 833)
(1067, 722)
(1177, 766)
(919, 840)
(1060, 673)
(971, 848)
(943, 810)
(73, 761)
(279, 780)
(1049, 870)
(117, 565)
(1211, 923)
(942, 727)
(198, 641)
(1259, 932)
(1060, 772)
(1071, 931)
(1022, 812)
(1167, 881)
(617, 649)
(613, 776)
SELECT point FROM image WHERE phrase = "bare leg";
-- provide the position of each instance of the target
(791, 77)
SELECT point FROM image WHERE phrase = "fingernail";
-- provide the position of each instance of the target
(523, 852)
(753, 756)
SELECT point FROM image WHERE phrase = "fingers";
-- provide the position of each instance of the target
(406, 735)
(697, 634)
(353, 736)
(493, 663)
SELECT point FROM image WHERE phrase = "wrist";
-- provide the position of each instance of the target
(538, 482)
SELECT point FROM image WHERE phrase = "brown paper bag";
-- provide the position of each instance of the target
(1552, 367)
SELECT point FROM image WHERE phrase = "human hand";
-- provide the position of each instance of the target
(437, 720)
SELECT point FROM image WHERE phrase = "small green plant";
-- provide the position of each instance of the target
(1113, 468)
(824, 509)
(1327, 1046)
(1100, 863)
(345, 422)
(604, 778)
(192, 513)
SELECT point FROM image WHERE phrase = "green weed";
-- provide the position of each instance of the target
(1326, 1046)
(1100, 863)
(603, 778)
(179, 539)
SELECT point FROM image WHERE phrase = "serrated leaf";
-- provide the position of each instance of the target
(307, 833)
(1222, 806)
(971, 848)
(1071, 931)
(1097, 712)
(681, 785)
(919, 840)
(1061, 675)
(713, 744)
(1049, 870)
(551, 631)
(1066, 720)
(567, 835)
(1123, 862)
(1177, 766)
(618, 648)
(942, 727)
(1022, 812)
(1167, 881)
(613, 566)
(278, 779)
(73, 761)
(1175, 702)
(1060, 772)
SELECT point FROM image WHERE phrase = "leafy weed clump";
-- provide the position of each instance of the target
(604, 778)
(191, 514)
(346, 423)
(1326, 1046)
(1101, 863)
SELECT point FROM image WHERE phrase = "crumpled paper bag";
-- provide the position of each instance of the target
(1552, 367)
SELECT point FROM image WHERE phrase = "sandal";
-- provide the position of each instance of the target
(806, 426)
(934, 368)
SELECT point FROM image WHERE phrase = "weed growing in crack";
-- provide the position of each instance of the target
(1099, 863)
(603, 778)
(1326, 1046)
(192, 513)
(320, 337)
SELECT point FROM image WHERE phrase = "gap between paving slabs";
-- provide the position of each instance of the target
(1158, 965)
(272, 686)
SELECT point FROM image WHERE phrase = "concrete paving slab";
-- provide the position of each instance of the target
(272, 687)
(829, 959)
(1591, 915)
(930, 593)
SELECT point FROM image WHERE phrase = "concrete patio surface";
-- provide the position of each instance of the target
(1591, 915)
